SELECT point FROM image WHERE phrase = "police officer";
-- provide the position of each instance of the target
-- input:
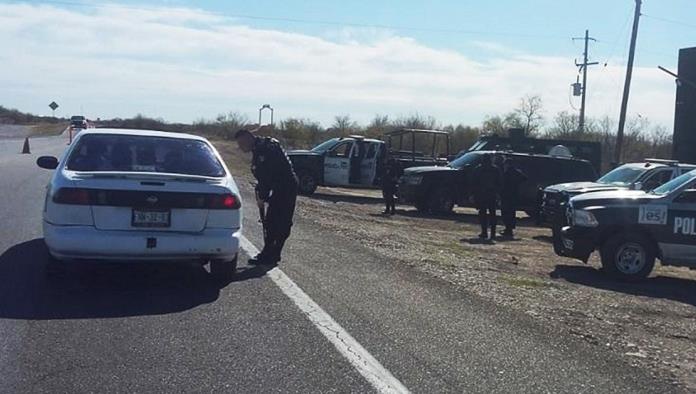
(276, 188)
(512, 179)
(486, 182)
(390, 178)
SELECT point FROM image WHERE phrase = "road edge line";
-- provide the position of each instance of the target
(367, 365)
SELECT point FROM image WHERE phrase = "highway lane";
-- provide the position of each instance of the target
(142, 328)
(166, 328)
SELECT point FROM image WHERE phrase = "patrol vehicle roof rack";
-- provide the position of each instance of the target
(663, 161)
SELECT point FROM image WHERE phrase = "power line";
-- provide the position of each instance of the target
(672, 21)
(320, 21)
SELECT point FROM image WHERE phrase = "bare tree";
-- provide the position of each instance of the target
(498, 124)
(530, 112)
(345, 125)
(416, 121)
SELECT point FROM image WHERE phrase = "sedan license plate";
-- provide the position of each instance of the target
(151, 218)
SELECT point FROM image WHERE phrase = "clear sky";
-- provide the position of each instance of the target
(458, 61)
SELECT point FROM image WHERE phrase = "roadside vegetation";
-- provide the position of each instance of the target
(36, 125)
(643, 139)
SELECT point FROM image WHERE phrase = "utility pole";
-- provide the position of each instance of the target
(627, 84)
(583, 67)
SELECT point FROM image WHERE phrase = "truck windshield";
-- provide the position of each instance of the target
(674, 184)
(622, 176)
(465, 160)
(324, 146)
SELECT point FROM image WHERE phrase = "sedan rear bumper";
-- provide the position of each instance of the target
(86, 242)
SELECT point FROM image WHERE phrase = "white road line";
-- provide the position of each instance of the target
(368, 366)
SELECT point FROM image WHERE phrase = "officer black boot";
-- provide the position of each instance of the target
(257, 260)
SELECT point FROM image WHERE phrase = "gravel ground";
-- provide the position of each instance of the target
(651, 323)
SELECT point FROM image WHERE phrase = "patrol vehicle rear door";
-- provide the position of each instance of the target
(337, 164)
(678, 241)
(368, 167)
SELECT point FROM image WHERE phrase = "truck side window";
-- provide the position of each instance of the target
(342, 149)
(657, 179)
(686, 197)
(372, 151)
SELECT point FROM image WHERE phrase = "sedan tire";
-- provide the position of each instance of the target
(223, 269)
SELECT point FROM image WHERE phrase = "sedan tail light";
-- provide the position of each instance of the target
(73, 196)
(223, 201)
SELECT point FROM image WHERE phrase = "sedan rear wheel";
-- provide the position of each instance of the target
(223, 269)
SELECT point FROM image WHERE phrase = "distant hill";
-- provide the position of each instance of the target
(13, 116)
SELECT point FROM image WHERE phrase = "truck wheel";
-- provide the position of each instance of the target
(308, 184)
(440, 201)
(628, 256)
(223, 269)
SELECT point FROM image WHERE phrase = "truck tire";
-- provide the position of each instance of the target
(307, 183)
(628, 256)
(223, 270)
(440, 201)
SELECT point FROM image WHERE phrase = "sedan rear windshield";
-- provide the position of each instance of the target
(131, 153)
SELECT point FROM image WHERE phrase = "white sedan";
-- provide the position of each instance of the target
(142, 195)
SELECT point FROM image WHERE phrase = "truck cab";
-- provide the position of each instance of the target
(631, 228)
(356, 161)
(349, 161)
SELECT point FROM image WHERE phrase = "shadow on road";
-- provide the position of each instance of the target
(363, 200)
(83, 290)
(468, 216)
(675, 289)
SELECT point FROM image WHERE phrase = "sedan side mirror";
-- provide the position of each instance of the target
(638, 186)
(47, 162)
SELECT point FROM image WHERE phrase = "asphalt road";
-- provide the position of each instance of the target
(145, 328)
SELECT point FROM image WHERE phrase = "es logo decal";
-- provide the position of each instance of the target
(652, 214)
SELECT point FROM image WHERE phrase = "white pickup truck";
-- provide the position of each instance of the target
(357, 161)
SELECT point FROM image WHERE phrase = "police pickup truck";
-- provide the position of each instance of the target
(631, 228)
(438, 189)
(632, 176)
(357, 161)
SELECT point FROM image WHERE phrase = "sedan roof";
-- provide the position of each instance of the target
(145, 133)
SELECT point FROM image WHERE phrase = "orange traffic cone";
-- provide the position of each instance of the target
(25, 149)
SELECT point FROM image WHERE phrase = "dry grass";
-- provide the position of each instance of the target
(46, 129)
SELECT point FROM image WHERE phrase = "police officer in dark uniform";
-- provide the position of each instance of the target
(486, 182)
(512, 179)
(390, 177)
(276, 188)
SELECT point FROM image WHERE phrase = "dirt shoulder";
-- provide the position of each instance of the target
(652, 324)
(21, 131)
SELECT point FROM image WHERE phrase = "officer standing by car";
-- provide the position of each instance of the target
(512, 179)
(486, 181)
(276, 189)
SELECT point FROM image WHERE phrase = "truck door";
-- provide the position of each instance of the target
(337, 164)
(368, 168)
(678, 243)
